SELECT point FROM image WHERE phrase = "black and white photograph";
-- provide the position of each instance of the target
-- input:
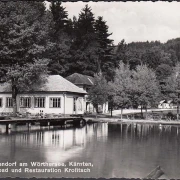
(90, 89)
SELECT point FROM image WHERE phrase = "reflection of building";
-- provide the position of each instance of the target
(56, 96)
(65, 139)
(86, 82)
(60, 145)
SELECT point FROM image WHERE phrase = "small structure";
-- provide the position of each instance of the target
(164, 104)
(156, 173)
(58, 96)
(86, 82)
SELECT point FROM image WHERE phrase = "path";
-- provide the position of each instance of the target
(131, 111)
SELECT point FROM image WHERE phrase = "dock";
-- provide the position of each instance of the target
(60, 121)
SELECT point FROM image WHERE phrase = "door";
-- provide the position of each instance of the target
(69, 105)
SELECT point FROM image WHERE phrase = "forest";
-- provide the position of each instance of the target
(35, 42)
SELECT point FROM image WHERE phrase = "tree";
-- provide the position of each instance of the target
(121, 87)
(173, 44)
(60, 35)
(151, 57)
(121, 52)
(23, 44)
(98, 94)
(84, 47)
(128, 54)
(145, 91)
(29, 77)
(85, 22)
(60, 16)
(60, 55)
(105, 61)
(172, 86)
(163, 71)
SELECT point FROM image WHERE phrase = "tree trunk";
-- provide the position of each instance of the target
(14, 95)
(121, 112)
(141, 111)
(98, 66)
(111, 111)
(178, 107)
(146, 112)
(96, 107)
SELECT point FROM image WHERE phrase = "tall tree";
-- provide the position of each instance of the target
(120, 52)
(23, 41)
(145, 91)
(98, 94)
(105, 61)
(60, 33)
(84, 47)
(60, 16)
(121, 87)
(86, 22)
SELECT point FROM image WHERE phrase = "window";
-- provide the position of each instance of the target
(25, 102)
(40, 102)
(9, 102)
(74, 104)
(55, 102)
(0, 102)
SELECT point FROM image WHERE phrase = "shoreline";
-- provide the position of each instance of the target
(115, 119)
(140, 121)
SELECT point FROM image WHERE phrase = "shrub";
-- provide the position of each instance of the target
(171, 116)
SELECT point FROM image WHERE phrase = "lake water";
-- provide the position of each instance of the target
(114, 150)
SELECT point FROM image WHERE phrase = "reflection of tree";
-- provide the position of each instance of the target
(135, 145)
(13, 149)
(119, 150)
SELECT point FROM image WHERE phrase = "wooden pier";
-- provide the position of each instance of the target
(60, 121)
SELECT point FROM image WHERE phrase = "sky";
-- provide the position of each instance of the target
(135, 21)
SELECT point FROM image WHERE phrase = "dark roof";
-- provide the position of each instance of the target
(54, 83)
(80, 79)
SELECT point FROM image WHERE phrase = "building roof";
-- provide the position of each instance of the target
(80, 79)
(166, 101)
(162, 101)
(55, 83)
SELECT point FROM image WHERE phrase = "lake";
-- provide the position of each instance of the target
(110, 150)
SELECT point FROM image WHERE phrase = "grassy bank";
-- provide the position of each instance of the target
(119, 121)
(163, 116)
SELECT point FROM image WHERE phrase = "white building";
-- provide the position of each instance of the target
(58, 96)
(85, 83)
(165, 104)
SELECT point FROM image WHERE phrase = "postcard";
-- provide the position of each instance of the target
(89, 89)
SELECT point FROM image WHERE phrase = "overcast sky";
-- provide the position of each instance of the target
(135, 21)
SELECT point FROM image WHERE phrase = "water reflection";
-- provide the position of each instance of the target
(140, 148)
(63, 138)
(116, 150)
(54, 142)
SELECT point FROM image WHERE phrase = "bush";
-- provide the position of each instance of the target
(138, 116)
(171, 116)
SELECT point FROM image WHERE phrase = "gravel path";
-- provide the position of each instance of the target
(131, 111)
